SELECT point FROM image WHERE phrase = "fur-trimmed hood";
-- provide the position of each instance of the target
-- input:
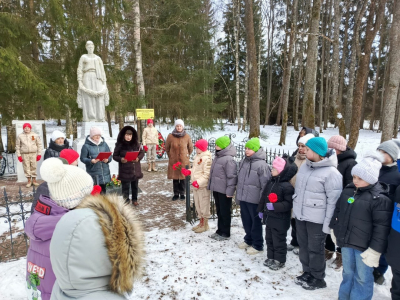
(97, 250)
(121, 136)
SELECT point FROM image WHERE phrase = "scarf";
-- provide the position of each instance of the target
(177, 134)
(94, 142)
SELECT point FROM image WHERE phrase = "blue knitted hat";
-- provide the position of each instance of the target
(318, 145)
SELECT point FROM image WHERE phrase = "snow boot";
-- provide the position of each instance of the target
(149, 167)
(34, 181)
(29, 184)
(252, 251)
(314, 284)
(154, 167)
(302, 278)
(198, 225)
(175, 197)
(268, 262)
(276, 265)
(203, 227)
(243, 245)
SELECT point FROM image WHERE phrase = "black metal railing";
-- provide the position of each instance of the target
(14, 210)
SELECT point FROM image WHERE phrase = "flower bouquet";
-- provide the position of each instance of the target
(114, 186)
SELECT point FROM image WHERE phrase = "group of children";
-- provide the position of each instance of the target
(332, 201)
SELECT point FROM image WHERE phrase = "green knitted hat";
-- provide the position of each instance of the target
(223, 142)
(318, 145)
(253, 144)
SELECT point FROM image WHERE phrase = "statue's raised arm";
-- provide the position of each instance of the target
(92, 92)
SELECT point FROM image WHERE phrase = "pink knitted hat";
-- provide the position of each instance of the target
(95, 131)
(279, 164)
(337, 142)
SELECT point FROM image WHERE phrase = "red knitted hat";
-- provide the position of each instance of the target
(69, 155)
(27, 125)
(202, 145)
(337, 142)
(149, 121)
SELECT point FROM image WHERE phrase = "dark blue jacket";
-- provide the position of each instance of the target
(390, 176)
(100, 172)
(392, 254)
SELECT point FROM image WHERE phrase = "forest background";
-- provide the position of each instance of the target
(251, 62)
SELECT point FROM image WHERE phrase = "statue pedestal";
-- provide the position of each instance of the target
(78, 143)
(37, 128)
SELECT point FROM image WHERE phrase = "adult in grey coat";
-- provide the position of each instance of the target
(253, 176)
(99, 170)
(318, 187)
(97, 251)
(222, 182)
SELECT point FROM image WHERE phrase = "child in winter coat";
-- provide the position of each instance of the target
(361, 224)
(390, 175)
(97, 251)
(318, 187)
(253, 175)
(300, 159)
(150, 142)
(68, 185)
(275, 211)
(129, 172)
(223, 180)
(346, 161)
(200, 175)
(99, 170)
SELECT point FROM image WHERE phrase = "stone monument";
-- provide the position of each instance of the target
(92, 98)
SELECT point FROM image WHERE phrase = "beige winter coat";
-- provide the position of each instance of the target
(150, 136)
(201, 168)
(28, 143)
(298, 163)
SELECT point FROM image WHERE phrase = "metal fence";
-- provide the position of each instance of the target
(14, 211)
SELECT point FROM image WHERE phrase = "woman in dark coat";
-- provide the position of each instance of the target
(58, 142)
(99, 170)
(129, 171)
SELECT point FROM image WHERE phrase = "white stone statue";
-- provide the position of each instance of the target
(92, 92)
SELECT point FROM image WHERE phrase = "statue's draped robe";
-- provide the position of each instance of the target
(93, 96)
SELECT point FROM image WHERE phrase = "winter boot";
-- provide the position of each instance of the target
(252, 251)
(154, 167)
(328, 254)
(175, 197)
(29, 184)
(34, 182)
(204, 227)
(243, 245)
(337, 263)
(302, 278)
(149, 167)
(276, 265)
(314, 284)
(198, 225)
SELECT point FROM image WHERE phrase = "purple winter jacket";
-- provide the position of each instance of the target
(39, 228)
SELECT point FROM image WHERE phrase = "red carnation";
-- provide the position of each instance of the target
(273, 197)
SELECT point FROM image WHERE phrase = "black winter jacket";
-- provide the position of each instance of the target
(365, 222)
(99, 171)
(346, 162)
(392, 254)
(129, 171)
(390, 176)
(281, 186)
(54, 149)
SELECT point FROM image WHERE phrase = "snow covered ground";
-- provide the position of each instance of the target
(185, 265)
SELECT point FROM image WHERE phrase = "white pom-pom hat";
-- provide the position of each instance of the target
(57, 134)
(68, 185)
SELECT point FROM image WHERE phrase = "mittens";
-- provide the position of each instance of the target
(186, 172)
(333, 237)
(38, 157)
(260, 215)
(20, 159)
(371, 257)
(270, 206)
(145, 148)
(195, 184)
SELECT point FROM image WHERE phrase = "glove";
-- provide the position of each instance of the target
(20, 159)
(333, 237)
(371, 257)
(270, 206)
(145, 148)
(186, 172)
(260, 215)
(195, 184)
(38, 157)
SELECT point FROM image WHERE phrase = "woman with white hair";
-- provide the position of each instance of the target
(179, 146)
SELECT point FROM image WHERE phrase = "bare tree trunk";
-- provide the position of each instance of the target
(68, 122)
(1, 141)
(364, 102)
(385, 79)
(11, 138)
(344, 56)
(287, 73)
(117, 63)
(328, 67)
(336, 102)
(391, 90)
(362, 73)
(109, 122)
(236, 29)
(246, 94)
(321, 90)
(311, 71)
(270, 51)
(297, 86)
(397, 117)
(75, 128)
(375, 97)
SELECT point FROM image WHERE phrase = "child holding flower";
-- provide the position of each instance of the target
(275, 210)
(200, 175)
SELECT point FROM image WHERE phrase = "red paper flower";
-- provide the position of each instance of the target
(96, 190)
(273, 197)
(186, 172)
